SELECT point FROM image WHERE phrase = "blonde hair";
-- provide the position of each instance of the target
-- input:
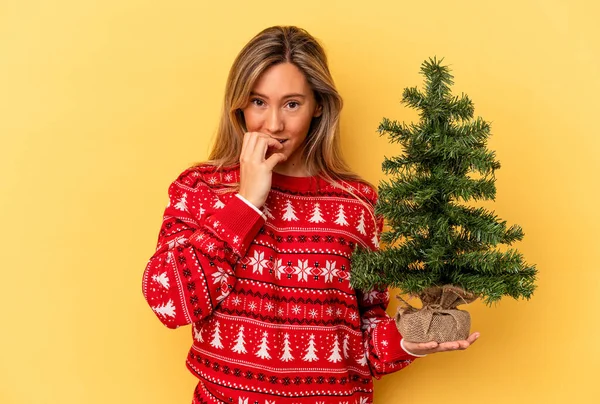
(322, 155)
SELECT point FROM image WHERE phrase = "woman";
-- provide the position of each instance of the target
(254, 250)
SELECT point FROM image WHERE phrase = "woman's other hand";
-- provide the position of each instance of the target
(424, 348)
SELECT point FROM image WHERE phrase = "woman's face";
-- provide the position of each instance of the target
(282, 105)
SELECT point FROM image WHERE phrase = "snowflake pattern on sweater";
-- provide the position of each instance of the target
(274, 317)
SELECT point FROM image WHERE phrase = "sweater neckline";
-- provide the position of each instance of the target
(297, 183)
(291, 183)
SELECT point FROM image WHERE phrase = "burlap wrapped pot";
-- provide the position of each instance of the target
(438, 320)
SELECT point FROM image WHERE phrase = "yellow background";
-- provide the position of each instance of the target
(104, 103)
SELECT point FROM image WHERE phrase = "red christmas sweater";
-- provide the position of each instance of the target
(274, 318)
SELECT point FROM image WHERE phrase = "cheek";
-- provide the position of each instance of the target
(252, 121)
(302, 125)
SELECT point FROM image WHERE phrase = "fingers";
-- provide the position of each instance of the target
(450, 345)
(275, 159)
(433, 347)
(256, 168)
(427, 345)
(248, 144)
(473, 337)
(459, 345)
(264, 143)
(420, 348)
(245, 141)
(453, 346)
(270, 142)
(255, 146)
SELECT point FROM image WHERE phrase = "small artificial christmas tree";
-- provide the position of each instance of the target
(435, 248)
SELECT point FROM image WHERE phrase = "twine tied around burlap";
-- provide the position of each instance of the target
(439, 320)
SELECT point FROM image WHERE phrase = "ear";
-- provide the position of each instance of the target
(318, 111)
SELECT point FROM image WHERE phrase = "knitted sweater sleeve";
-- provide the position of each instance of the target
(200, 241)
(382, 338)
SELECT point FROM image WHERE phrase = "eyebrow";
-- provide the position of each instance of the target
(285, 96)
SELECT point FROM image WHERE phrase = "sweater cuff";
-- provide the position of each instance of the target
(388, 341)
(408, 352)
(252, 206)
(236, 224)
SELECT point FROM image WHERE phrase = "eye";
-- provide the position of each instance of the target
(257, 101)
(293, 104)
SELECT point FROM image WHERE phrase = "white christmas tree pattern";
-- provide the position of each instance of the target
(311, 350)
(316, 215)
(361, 224)
(162, 279)
(286, 356)
(165, 309)
(289, 213)
(335, 351)
(198, 333)
(182, 204)
(362, 360)
(341, 217)
(218, 204)
(216, 341)
(375, 240)
(346, 346)
(263, 351)
(240, 346)
(267, 212)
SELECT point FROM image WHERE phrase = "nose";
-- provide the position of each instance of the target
(274, 121)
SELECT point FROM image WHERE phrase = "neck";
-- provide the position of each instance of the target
(291, 168)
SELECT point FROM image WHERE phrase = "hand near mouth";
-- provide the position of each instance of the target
(258, 158)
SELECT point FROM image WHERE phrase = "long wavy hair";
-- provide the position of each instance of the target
(322, 154)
